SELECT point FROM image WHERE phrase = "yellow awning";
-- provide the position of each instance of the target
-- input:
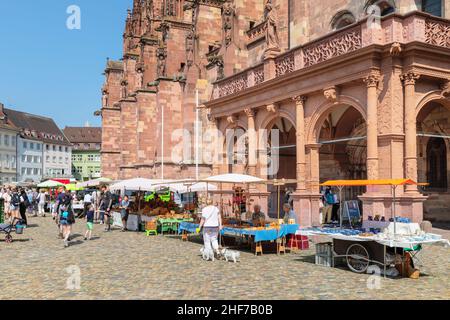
(359, 183)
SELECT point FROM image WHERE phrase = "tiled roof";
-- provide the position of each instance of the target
(84, 138)
(83, 134)
(37, 127)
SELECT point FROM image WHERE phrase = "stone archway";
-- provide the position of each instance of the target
(283, 151)
(433, 157)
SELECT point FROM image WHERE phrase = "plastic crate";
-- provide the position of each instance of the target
(324, 254)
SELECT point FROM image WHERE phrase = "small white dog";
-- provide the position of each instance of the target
(230, 255)
(207, 254)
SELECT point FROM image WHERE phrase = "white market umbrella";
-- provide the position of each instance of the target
(94, 183)
(138, 184)
(187, 185)
(50, 184)
(233, 178)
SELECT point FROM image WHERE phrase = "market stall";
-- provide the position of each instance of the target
(254, 236)
(386, 243)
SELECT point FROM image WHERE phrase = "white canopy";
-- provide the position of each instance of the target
(187, 185)
(94, 183)
(233, 178)
(138, 184)
(50, 184)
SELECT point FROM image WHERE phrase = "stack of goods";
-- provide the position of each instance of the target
(298, 241)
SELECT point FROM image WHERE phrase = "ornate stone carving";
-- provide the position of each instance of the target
(410, 78)
(396, 49)
(228, 14)
(233, 85)
(257, 32)
(271, 18)
(124, 89)
(190, 48)
(231, 119)
(372, 80)
(217, 60)
(437, 33)
(331, 94)
(300, 100)
(446, 89)
(161, 55)
(258, 75)
(285, 64)
(324, 50)
(273, 108)
(148, 16)
(249, 112)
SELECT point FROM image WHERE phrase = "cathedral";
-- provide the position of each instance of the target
(356, 89)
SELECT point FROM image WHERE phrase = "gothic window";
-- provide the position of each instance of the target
(433, 7)
(342, 19)
(385, 6)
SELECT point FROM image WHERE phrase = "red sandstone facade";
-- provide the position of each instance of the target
(353, 96)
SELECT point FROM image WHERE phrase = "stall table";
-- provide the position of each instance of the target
(257, 236)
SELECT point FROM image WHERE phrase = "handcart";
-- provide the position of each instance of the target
(8, 228)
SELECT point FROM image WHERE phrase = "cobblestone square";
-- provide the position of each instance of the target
(129, 265)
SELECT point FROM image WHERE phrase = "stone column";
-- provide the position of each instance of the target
(217, 145)
(252, 141)
(409, 80)
(372, 81)
(301, 152)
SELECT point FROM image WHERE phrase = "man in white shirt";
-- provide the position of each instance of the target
(211, 224)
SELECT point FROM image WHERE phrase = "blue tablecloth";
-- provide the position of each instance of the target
(189, 227)
(260, 235)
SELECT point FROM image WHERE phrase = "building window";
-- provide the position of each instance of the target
(6, 140)
(25, 145)
(24, 171)
(38, 147)
(24, 158)
(54, 159)
(90, 157)
(7, 163)
(29, 171)
(433, 7)
(67, 149)
(342, 19)
(47, 147)
(13, 141)
(54, 148)
(386, 6)
(60, 149)
(31, 145)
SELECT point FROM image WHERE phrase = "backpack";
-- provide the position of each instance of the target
(26, 201)
(15, 200)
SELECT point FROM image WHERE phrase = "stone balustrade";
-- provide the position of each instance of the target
(413, 27)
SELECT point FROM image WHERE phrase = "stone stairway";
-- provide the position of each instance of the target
(437, 207)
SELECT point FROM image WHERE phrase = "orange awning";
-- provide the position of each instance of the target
(359, 183)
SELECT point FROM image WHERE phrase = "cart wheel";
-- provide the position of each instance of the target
(8, 238)
(357, 258)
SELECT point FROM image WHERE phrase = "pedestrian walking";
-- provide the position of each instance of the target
(41, 203)
(24, 204)
(15, 205)
(211, 224)
(124, 210)
(90, 214)
(67, 217)
(105, 208)
(7, 203)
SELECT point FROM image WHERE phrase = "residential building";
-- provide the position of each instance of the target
(8, 149)
(44, 151)
(30, 162)
(356, 89)
(86, 157)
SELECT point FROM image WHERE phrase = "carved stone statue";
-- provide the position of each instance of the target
(148, 16)
(104, 98)
(161, 55)
(228, 14)
(190, 48)
(272, 39)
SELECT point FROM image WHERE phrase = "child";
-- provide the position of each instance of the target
(89, 222)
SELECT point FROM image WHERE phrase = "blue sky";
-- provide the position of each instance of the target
(50, 70)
